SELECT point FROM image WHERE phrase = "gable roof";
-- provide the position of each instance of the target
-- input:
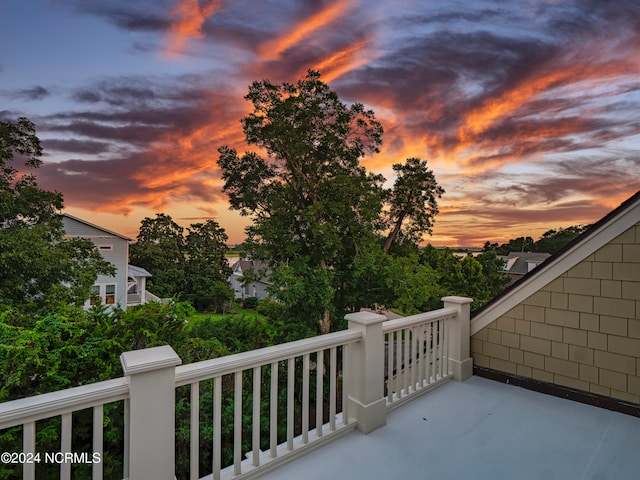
(260, 267)
(518, 262)
(133, 271)
(599, 234)
(97, 227)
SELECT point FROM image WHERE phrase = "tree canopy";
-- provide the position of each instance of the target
(192, 266)
(551, 241)
(311, 201)
(413, 201)
(38, 266)
(159, 248)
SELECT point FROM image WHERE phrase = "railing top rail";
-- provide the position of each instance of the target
(195, 372)
(420, 318)
(38, 407)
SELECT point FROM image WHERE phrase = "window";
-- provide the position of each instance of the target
(110, 294)
(105, 248)
(102, 293)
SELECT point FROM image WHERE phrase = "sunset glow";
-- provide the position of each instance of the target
(526, 111)
(188, 17)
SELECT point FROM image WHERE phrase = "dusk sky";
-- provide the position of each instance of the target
(528, 111)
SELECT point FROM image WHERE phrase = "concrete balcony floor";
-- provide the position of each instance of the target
(482, 429)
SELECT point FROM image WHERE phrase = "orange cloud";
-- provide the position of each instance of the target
(569, 76)
(272, 49)
(191, 15)
(343, 61)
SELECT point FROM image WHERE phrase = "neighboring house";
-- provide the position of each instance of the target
(137, 286)
(572, 325)
(518, 264)
(259, 283)
(128, 286)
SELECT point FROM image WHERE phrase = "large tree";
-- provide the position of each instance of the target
(207, 268)
(312, 202)
(413, 202)
(39, 268)
(159, 248)
(193, 266)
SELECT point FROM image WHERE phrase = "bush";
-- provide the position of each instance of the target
(250, 303)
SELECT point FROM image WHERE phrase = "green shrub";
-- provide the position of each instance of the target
(250, 303)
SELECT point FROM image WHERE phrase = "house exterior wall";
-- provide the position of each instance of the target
(113, 248)
(253, 289)
(582, 330)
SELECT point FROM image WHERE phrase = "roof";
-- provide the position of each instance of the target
(518, 262)
(599, 234)
(133, 271)
(244, 265)
(93, 225)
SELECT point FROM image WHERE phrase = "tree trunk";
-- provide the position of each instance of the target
(324, 324)
(393, 234)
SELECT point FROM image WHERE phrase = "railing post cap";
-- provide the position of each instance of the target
(149, 359)
(458, 300)
(365, 318)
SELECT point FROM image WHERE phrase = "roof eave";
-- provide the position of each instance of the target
(601, 233)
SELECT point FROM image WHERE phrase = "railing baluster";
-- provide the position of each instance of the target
(65, 444)
(194, 432)
(237, 423)
(423, 359)
(319, 392)
(98, 442)
(441, 344)
(127, 436)
(445, 348)
(419, 344)
(273, 412)
(291, 367)
(427, 356)
(414, 359)
(390, 376)
(407, 361)
(408, 355)
(305, 398)
(217, 427)
(255, 440)
(29, 446)
(399, 346)
(332, 389)
(444, 367)
(345, 385)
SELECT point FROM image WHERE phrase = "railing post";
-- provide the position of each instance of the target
(460, 361)
(151, 374)
(366, 372)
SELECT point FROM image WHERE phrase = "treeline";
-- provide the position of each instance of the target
(552, 241)
(191, 264)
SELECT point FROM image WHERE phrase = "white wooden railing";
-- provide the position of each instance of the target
(26, 412)
(417, 353)
(326, 355)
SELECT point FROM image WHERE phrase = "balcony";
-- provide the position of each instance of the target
(482, 429)
(352, 402)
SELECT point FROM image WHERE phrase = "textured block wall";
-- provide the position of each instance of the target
(582, 330)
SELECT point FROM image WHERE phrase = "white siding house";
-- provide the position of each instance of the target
(128, 286)
(256, 288)
(114, 248)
